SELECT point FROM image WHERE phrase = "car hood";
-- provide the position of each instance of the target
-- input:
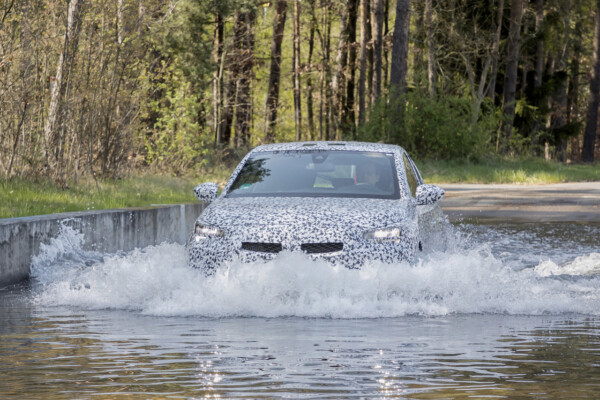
(306, 218)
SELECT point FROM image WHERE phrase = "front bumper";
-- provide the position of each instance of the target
(208, 254)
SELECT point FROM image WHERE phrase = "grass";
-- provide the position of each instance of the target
(526, 172)
(20, 197)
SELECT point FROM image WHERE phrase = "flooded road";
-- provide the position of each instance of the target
(507, 311)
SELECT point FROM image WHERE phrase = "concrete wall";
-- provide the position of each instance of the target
(105, 231)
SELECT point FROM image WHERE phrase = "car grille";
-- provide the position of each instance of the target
(262, 247)
(316, 248)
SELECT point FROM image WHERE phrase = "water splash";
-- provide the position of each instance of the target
(588, 265)
(470, 278)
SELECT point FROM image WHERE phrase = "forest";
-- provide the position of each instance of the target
(96, 88)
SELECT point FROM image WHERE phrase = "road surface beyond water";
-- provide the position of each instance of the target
(572, 202)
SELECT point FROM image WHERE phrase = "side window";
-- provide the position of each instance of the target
(410, 176)
(416, 171)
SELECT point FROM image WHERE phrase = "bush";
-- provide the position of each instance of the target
(432, 128)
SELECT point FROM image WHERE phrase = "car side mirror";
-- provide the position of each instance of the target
(206, 192)
(429, 194)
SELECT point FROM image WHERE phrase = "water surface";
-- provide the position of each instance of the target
(506, 311)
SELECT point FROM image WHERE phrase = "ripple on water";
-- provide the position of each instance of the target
(142, 325)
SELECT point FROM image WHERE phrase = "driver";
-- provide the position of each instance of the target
(368, 174)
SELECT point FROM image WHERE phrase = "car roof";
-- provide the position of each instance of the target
(330, 145)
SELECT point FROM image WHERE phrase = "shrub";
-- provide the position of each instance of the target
(432, 128)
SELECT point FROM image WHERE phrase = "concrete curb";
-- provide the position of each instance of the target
(104, 230)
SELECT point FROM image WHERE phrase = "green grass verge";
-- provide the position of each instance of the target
(23, 198)
(530, 171)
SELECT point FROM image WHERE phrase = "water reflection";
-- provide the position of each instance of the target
(55, 354)
(73, 351)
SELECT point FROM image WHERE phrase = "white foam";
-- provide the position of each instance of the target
(157, 281)
(581, 266)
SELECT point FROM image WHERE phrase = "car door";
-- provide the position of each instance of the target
(432, 231)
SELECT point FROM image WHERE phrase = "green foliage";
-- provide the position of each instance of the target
(432, 128)
(183, 39)
(174, 132)
(179, 140)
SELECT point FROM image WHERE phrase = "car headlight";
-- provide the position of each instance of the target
(385, 235)
(202, 231)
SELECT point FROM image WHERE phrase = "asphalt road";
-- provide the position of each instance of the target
(576, 202)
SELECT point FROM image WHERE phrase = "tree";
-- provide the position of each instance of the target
(309, 81)
(219, 61)
(275, 74)
(362, 79)
(377, 34)
(400, 49)
(431, 67)
(591, 127)
(245, 39)
(491, 90)
(512, 66)
(348, 114)
(55, 110)
(338, 81)
(296, 72)
(539, 42)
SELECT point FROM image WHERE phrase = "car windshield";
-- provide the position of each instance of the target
(318, 173)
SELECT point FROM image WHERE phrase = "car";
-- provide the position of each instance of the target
(344, 202)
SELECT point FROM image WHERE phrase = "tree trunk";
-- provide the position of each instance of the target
(16, 141)
(399, 66)
(573, 98)
(53, 123)
(591, 126)
(329, 113)
(539, 64)
(362, 79)
(524, 59)
(275, 72)
(243, 111)
(338, 81)
(420, 37)
(322, 99)
(477, 90)
(512, 65)
(377, 34)
(309, 85)
(348, 114)
(400, 49)
(369, 55)
(539, 42)
(386, 42)
(431, 67)
(120, 24)
(296, 72)
(218, 76)
(491, 90)
(232, 80)
(141, 18)
(325, 93)
(560, 99)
